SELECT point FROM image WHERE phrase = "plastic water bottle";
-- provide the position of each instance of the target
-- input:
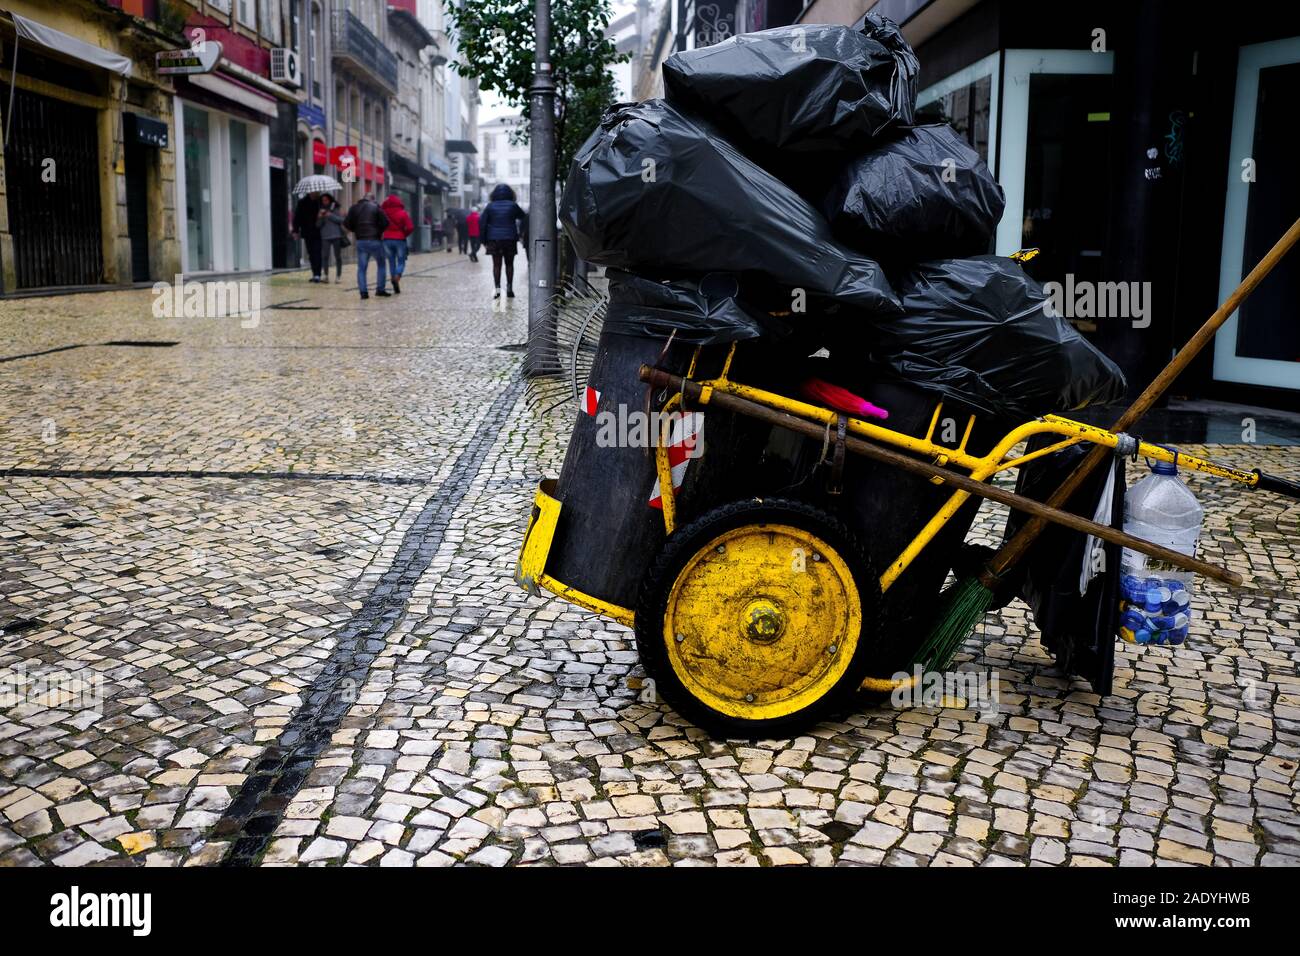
(1156, 598)
(1160, 509)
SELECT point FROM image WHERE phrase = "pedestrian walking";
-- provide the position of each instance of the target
(449, 229)
(367, 222)
(471, 224)
(333, 241)
(500, 227)
(305, 226)
(395, 247)
(462, 230)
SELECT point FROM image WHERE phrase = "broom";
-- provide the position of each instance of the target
(965, 603)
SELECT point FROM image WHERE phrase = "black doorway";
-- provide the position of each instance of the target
(137, 208)
(279, 218)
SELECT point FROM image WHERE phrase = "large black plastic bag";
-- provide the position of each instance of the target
(976, 330)
(923, 194)
(804, 88)
(655, 191)
(703, 311)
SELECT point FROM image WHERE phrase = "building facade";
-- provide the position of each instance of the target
(87, 177)
(236, 135)
(365, 79)
(420, 52)
(502, 160)
(653, 32)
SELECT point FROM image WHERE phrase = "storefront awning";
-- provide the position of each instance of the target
(236, 92)
(405, 167)
(61, 42)
(460, 146)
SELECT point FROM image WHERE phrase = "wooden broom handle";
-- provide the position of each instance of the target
(1015, 549)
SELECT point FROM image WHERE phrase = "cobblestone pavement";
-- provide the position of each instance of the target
(285, 555)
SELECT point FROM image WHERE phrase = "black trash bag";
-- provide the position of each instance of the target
(976, 330)
(804, 88)
(923, 194)
(655, 191)
(1079, 630)
(703, 311)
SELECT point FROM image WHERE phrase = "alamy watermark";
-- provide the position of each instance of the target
(209, 300)
(633, 428)
(975, 689)
(1085, 299)
(78, 690)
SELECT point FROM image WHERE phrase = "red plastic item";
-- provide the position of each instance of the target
(841, 399)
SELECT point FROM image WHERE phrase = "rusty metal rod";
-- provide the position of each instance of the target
(741, 406)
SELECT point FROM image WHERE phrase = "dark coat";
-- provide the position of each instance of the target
(304, 216)
(501, 217)
(366, 220)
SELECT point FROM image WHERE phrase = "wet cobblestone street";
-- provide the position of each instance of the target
(287, 553)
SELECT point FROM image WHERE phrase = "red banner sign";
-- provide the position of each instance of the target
(320, 155)
(338, 152)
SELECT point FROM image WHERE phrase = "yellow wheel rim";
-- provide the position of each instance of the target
(762, 621)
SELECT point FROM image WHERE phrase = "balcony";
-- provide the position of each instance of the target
(441, 47)
(361, 50)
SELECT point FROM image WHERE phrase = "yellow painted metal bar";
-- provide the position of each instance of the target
(1100, 436)
(538, 537)
(664, 468)
(623, 615)
(970, 427)
(934, 421)
(531, 571)
(726, 366)
(888, 436)
(1040, 453)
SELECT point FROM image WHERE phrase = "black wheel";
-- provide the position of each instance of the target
(754, 619)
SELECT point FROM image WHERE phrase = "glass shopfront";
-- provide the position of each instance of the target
(198, 191)
(224, 188)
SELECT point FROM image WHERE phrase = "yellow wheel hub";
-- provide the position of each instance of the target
(762, 621)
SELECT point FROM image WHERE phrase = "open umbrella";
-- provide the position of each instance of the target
(316, 184)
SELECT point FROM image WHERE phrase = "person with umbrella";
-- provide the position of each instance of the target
(306, 217)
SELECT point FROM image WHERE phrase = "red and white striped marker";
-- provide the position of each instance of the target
(590, 401)
(685, 435)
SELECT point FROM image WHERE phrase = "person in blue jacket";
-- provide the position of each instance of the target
(499, 225)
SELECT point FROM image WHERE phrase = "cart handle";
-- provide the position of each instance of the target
(1279, 486)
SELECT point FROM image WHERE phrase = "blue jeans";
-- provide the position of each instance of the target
(395, 249)
(367, 249)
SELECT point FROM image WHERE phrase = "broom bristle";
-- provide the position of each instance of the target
(961, 607)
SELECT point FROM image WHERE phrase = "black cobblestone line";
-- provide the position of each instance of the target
(26, 355)
(233, 475)
(281, 771)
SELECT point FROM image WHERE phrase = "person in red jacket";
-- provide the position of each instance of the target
(399, 227)
(471, 223)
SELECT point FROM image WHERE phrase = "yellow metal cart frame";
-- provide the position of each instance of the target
(531, 572)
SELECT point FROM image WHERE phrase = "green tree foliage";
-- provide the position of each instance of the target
(496, 40)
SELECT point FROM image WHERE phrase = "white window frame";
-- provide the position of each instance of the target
(1228, 365)
(1018, 67)
(989, 66)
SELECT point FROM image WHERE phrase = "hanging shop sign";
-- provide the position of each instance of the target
(193, 59)
(146, 130)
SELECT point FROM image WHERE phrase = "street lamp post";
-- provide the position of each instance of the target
(541, 214)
